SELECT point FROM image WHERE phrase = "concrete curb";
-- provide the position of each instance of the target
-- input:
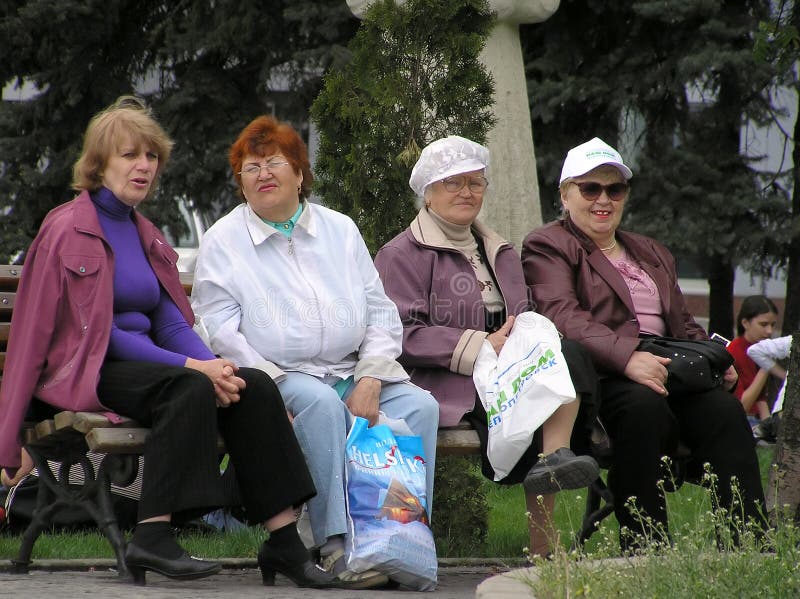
(239, 563)
(509, 585)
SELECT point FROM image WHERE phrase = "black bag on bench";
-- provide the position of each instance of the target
(697, 364)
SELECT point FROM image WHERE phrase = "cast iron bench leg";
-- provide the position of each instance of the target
(121, 469)
(594, 513)
(94, 496)
(45, 502)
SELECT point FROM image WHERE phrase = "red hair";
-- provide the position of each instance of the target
(265, 136)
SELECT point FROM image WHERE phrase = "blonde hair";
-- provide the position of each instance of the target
(127, 116)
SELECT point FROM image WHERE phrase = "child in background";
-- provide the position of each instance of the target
(755, 322)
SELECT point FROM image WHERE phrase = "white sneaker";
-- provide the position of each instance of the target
(335, 564)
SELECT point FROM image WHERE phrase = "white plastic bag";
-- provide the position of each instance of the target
(521, 388)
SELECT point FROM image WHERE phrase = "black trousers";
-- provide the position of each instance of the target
(181, 465)
(645, 426)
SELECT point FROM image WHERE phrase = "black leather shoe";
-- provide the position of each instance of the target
(184, 567)
(306, 574)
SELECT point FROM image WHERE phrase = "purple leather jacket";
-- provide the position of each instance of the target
(62, 319)
(441, 307)
(576, 287)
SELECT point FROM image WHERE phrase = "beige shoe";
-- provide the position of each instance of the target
(335, 563)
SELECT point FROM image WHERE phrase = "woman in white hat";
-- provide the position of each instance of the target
(606, 288)
(457, 284)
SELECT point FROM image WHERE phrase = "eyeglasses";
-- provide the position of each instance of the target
(590, 190)
(475, 184)
(255, 169)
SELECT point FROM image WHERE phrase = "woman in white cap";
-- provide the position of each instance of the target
(288, 287)
(606, 288)
(456, 284)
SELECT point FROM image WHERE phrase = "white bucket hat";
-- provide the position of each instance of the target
(587, 156)
(444, 158)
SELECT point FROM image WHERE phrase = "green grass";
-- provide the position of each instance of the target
(691, 566)
(507, 536)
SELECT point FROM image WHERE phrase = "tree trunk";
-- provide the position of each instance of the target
(720, 296)
(791, 317)
(783, 488)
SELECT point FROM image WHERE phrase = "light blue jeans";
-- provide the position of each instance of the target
(321, 421)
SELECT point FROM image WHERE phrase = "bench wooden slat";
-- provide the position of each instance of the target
(44, 428)
(132, 440)
(5, 327)
(187, 278)
(64, 420)
(457, 441)
(7, 301)
(9, 276)
(28, 434)
(119, 440)
(86, 421)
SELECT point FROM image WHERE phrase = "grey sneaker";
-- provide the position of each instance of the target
(560, 470)
(335, 564)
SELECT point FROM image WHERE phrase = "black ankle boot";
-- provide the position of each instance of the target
(154, 547)
(305, 573)
(184, 567)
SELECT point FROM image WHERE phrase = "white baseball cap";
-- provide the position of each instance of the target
(444, 158)
(587, 156)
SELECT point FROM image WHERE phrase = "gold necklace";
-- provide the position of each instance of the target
(611, 247)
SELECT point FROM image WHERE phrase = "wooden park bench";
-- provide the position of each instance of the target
(68, 436)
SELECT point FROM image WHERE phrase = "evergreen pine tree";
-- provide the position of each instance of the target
(671, 85)
(414, 77)
(206, 68)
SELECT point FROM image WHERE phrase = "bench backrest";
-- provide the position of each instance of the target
(9, 281)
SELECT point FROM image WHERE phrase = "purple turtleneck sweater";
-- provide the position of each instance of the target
(147, 325)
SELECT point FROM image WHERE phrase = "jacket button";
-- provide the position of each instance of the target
(82, 269)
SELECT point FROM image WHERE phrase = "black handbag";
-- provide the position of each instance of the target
(697, 364)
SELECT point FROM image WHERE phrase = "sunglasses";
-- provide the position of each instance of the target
(591, 190)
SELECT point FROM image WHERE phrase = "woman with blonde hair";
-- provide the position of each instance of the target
(102, 323)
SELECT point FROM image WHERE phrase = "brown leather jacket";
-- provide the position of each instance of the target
(576, 287)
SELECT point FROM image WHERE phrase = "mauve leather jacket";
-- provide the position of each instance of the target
(576, 287)
(62, 320)
(441, 306)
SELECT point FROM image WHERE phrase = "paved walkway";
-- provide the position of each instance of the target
(60, 579)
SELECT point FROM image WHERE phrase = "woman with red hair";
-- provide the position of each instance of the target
(289, 287)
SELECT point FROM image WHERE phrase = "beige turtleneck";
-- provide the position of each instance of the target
(464, 241)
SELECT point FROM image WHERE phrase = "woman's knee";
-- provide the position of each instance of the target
(316, 401)
(422, 403)
(259, 384)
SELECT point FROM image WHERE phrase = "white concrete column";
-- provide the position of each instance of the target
(511, 206)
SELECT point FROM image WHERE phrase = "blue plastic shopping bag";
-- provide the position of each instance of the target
(387, 506)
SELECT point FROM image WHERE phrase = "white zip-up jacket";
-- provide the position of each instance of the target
(310, 303)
